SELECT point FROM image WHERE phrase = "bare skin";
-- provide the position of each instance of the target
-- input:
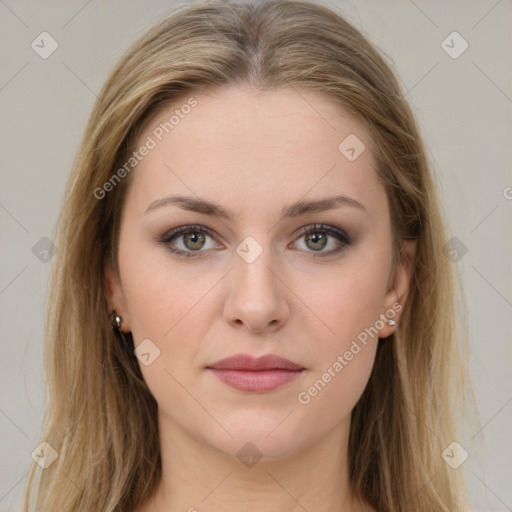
(303, 297)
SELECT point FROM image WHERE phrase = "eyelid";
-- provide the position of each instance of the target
(331, 230)
(186, 228)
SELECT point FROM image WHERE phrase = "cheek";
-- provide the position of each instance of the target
(329, 397)
(157, 294)
(344, 356)
(169, 304)
(348, 303)
(165, 306)
(348, 312)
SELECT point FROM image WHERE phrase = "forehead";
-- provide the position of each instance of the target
(252, 148)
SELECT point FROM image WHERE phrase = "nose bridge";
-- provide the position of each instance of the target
(253, 266)
(256, 297)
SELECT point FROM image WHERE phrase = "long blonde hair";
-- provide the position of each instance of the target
(99, 406)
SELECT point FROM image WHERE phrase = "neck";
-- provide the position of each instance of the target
(197, 477)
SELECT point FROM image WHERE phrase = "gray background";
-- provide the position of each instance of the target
(464, 106)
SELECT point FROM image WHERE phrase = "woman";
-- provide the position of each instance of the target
(250, 305)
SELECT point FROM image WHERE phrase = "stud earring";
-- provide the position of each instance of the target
(391, 322)
(116, 320)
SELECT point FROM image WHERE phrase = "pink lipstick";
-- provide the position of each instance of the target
(257, 375)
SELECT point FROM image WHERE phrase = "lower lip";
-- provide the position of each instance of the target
(256, 381)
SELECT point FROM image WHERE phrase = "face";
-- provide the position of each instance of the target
(279, 267)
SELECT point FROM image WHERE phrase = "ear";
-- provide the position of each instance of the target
(115, 296)
(399, 286)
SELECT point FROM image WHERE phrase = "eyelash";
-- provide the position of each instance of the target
(342, 237)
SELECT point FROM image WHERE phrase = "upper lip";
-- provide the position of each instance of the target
(249, 363)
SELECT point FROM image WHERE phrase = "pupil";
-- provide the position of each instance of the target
(317, 237)
(194, 238)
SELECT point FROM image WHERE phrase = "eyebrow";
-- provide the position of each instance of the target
(295, 210)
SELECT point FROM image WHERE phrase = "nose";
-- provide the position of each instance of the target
(257, 297)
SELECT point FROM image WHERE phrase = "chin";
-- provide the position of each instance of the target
(259, 435)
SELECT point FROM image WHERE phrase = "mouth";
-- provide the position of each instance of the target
(256, 375)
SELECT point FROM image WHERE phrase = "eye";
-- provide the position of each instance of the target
(316, 238)
(193, 240)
